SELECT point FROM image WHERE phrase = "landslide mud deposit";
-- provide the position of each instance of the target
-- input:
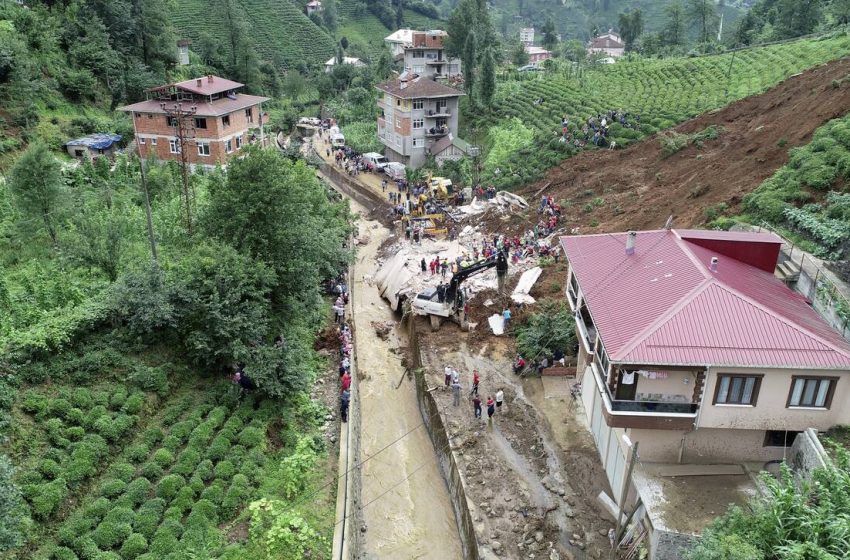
(407, 512)
(640, 188)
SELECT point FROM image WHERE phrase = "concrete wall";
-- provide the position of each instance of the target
(770, 412)
(807, 454)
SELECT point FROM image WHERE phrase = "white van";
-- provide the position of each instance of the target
(377, 160)
(337, 140)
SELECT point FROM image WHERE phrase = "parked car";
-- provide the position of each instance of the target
(337, 140)
(378, 161)
(530, 68)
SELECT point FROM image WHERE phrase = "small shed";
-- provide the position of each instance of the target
(450, 148)
(93, 146)
(314, 6)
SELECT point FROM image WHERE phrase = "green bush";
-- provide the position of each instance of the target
(138, 452)
(119, 514)
(184, 499)
(169, 486)
(163, 544)
(152, 436)
(63, 553)
(197, 484)
(108, 534)
(236, 496)
(112, 487)
(252, 437)
(117, 398)
(75, 433)
(151, 471)
(49, 468)
(206, 509)
(35, 403)
(213, 493)
(94, 414)
(138, 490)
(182, 430)
(170, 526)
(146, 522)
(60, 407)
(73, 527)
(81, 398)
(49, 497)
(97, 509)
(163, 457)
(205, 470)
(121, 471)
(135, 545)
(219, 448)
(172, 443)
(225, 470)
(150, 378)
(86, 548)
(134, 403)
(187, 462)
(108, 555)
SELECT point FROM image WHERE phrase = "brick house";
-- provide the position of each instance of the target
(426, 55)
(218, 122)
(415, 113)
(536, 55)
(609, 43)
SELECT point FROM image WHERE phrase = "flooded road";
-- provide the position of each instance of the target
(406, 504)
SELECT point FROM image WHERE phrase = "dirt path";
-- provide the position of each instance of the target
(406, 504)
(638, 188)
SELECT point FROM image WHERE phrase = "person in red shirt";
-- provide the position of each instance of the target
(491, 408)
(346, 382)
(519, 365)
(475, 380)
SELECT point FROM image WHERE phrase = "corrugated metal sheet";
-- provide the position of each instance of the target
(662, 305)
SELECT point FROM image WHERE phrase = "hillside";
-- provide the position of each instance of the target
(366, 33)
(663, 92)
(639, 187)
(281, 31)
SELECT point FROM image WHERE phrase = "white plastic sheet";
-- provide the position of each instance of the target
(497, 324)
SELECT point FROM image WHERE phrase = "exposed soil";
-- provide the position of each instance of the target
(641, 187)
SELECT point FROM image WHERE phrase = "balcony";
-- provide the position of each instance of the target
(586, 329)
(434, 132)
(441, 112)
(436, 61)
(647, 411)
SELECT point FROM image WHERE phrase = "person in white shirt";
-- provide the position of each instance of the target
(500, 397)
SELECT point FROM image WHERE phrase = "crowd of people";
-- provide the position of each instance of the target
(494, 401)
(595, 130)
(346, 345)
(537, 365)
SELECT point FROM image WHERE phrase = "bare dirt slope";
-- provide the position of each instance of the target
(641, 187)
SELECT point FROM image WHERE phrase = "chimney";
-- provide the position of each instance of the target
(713, 266)
(630, 243)
(199, 82)
(210, 78)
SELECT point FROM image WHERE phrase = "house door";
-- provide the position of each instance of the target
(626, 385)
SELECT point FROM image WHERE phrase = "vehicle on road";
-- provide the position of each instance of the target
(376, 159)
(395, 170)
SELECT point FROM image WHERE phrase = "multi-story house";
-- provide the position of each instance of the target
(536, 55)
(692, 348)
(415, 114)
(526, 36)
(213, 119)
(609, 43)
(397, 40)
(426, 56)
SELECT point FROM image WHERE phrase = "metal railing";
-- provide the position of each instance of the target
(657, 407)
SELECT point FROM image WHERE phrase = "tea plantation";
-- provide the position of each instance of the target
(663, 92)
(154, 468)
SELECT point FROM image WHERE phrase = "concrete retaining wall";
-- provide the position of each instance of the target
(439, 437)
(807, 454)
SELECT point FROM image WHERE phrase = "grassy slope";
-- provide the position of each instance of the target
(366, 33)
(281, 31)
(663, 92)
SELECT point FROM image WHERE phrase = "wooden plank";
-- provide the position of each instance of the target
(699, 470)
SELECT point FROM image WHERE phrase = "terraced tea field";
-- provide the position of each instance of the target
(282, 32)
(662, 92)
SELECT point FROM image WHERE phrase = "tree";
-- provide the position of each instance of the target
(343, 42)
(329, 15)
(519, 56)
(36, 184)
(488, 78)
(157, 35)
(13, 516)
(797, 17)
(550, 37)
(674, 29)
(840, 10)
(399, 14)
(703, 16)
(631, 26)
(468, 60)
(469, 27)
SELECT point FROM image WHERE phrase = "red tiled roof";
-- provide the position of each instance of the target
(218, 85)
(218, 107)
(606, 43)
(415, 89)
(662, 305)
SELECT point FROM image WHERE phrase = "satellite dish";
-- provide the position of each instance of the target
(669, 223)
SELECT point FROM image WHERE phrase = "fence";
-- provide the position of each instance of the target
(430, 412)
(816, 284)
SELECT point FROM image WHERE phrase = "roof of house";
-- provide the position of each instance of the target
(536, 50)
(447, 141)
(400, 36)
(207, 87)
(662, 305)
(345, 60)
(416, 88)
(606, 43)
(222, 106)
(96, 141)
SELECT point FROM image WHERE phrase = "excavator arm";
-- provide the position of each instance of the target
(499, 260)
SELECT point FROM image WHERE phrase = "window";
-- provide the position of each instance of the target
(779, 438)
(418, 104)
(174, 146)
(238, 141)
(418, 69)
(418, 142)
(200, 122)
(398, 122)
(813, 392)
(249, 114)
(418, 54)
(138, 115)
(153, 141)
(171, 121)
(418, 123)
(602, 358)
(737, 389)
(228, 146)
(225, 120)
(141, 140)
(398, 102)
(150, 115)
(79, 153)
(203, 148)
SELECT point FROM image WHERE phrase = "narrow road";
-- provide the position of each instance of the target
(406, 504)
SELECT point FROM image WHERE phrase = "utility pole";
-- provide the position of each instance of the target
(151, 236)
(626, 487)
(184, 124)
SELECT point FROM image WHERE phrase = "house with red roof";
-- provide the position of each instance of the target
(695, 348)
(211, 117)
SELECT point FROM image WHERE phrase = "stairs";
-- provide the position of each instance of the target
(788, 271)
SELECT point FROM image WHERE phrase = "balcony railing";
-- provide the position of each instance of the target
(436, 113)
(658, 407)
(436, 133)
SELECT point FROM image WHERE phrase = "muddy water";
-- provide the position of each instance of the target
(407, 510)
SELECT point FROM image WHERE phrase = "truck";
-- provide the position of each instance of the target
(447, 300)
